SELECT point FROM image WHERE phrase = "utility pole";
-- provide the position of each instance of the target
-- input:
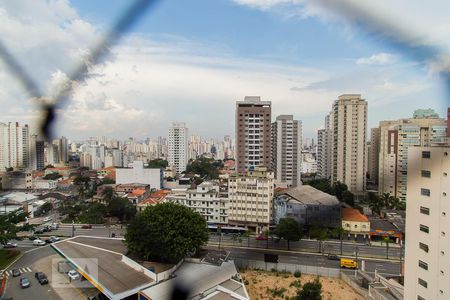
(73, 228)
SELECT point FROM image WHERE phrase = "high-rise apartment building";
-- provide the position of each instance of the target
(427, 255)
(395, 139)
(324, 149)
(251, 198)
(349, 117)
(253, 137)
(286, 150)
(178, 146)
(14, 146)
(373, 155)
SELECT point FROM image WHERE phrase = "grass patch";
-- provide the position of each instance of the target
(7, 256)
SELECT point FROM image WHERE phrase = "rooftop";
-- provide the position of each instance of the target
(306, 194)
(352, 214)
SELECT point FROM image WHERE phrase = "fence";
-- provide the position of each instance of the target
(312, 270)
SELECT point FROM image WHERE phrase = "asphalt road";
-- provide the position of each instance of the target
(332, 247)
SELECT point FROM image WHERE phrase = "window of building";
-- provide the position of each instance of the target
(425, 192)
(424, 228)
(424, 210)
(423, 265)
(424, 247)
(426, 173)
(426, 154)
(420, 298)
(423, 283)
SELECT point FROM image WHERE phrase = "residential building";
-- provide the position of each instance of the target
(373, 155)
(396, 137)
(349, 116)
(355, 223)
(207, 200)
(324, 149)
(178, 147)
(14, 146)
(139, 174)
(308, 206)
(17, 180)
(286, 150)
(251, 197)
(253, 133)
(153, 199)
(309, 162)
(427, 255)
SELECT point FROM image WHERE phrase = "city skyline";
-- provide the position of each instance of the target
(285, 63)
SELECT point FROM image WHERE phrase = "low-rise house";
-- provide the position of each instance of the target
(42, 184)
(355, 223)
(308, 206)
(153, 199)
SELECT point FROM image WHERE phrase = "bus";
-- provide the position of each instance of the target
(227, 229)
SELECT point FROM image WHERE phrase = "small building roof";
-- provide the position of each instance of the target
(352, 214)
(308, 195)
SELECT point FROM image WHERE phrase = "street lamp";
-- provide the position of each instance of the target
(356, 258)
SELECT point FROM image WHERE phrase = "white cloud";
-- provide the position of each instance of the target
(377, 59)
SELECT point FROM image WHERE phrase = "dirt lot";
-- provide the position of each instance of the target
(272, 285)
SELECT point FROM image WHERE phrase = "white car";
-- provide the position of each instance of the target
(38, 242)
(73, 275)
(47, 219)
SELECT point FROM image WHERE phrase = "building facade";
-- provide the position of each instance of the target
(14, 146)
(178, 147)
(251, 197)
(427, 255)
(324, 149)
(139, 174)
(373, 155)
(253, 133)
(349, 117)
(286, 150)
(396, 137)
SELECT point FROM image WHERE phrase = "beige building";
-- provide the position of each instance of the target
(349, 117)
(373, 155)
(355, 223)
(251, 197)
(253, 133)
(324, 149)
(395, 139)
(427, 256)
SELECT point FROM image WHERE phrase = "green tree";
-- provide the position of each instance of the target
(107, 180)
(95, 214)
(52, 176)
(157, 163)
(207, 168)
(288, 229)
(320, 234)
(43, 209)
(322, 185)
(348, 198)
(9, 227)
(339, 189)
(340, 231)
(166, 232)
(310, 291)
(108, 193)
(121, 208)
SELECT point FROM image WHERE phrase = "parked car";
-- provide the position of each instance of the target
(86, 226)
(24, 282)
(46, 219)
(41, 277)
(32, 238)
(55, 226)
(16, 273)
(54, 238)
(48, 241)
(38, 242)
(333, 257)
(261, 238)
(10, 245)
(73, 275)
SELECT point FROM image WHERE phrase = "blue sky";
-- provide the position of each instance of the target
(191, 60)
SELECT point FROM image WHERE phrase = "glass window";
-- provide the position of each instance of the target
(426, 154)
(425, 192)
(423, 265)
(424, 210)
(426, 173)
(423, 283)
(424, 247)
(424, 228)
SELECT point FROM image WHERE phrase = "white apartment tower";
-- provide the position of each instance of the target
(14, 146)
(349, 117)
(178, 146)
(395, 139)
(286, 150)
(324, 149)
(251, 198)
(427, 256)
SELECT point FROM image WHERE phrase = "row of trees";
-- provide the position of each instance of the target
(206, 168)
(385, 201)
(338, 189)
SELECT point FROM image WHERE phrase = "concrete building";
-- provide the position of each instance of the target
(349, 116)
(17, 180)
(253, 133)
(324, 149)
(139, 174)
(308, 206)
(395, 139)
(309, 162)
(286, 150)
(427, 255)
(373, 155)
(355, 223)
(14, 146)
(178, 147)
(207, 200)
(251, 197)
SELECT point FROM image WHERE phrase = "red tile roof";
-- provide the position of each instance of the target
(352, 214)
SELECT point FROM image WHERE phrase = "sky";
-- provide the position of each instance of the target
(190, 61)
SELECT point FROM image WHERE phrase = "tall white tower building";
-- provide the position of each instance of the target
(178, 146)
(349, 142)
(14, 146)
(287, 150)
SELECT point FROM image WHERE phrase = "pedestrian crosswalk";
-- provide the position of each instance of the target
(22, 270)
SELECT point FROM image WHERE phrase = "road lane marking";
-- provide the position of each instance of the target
(29, 269)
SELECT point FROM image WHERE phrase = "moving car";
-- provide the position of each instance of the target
(333, 257)
(55, 226)
(73, 275)
(15, 272)
(41, 277)
(349, 263)
(261, 238)
(10, 245)
(86, 226)
(38, 242)
(32, 238)
(38, 231)
(54, 238)
(24, 282)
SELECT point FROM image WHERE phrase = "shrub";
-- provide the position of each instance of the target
(297, 274)
(296, 284)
